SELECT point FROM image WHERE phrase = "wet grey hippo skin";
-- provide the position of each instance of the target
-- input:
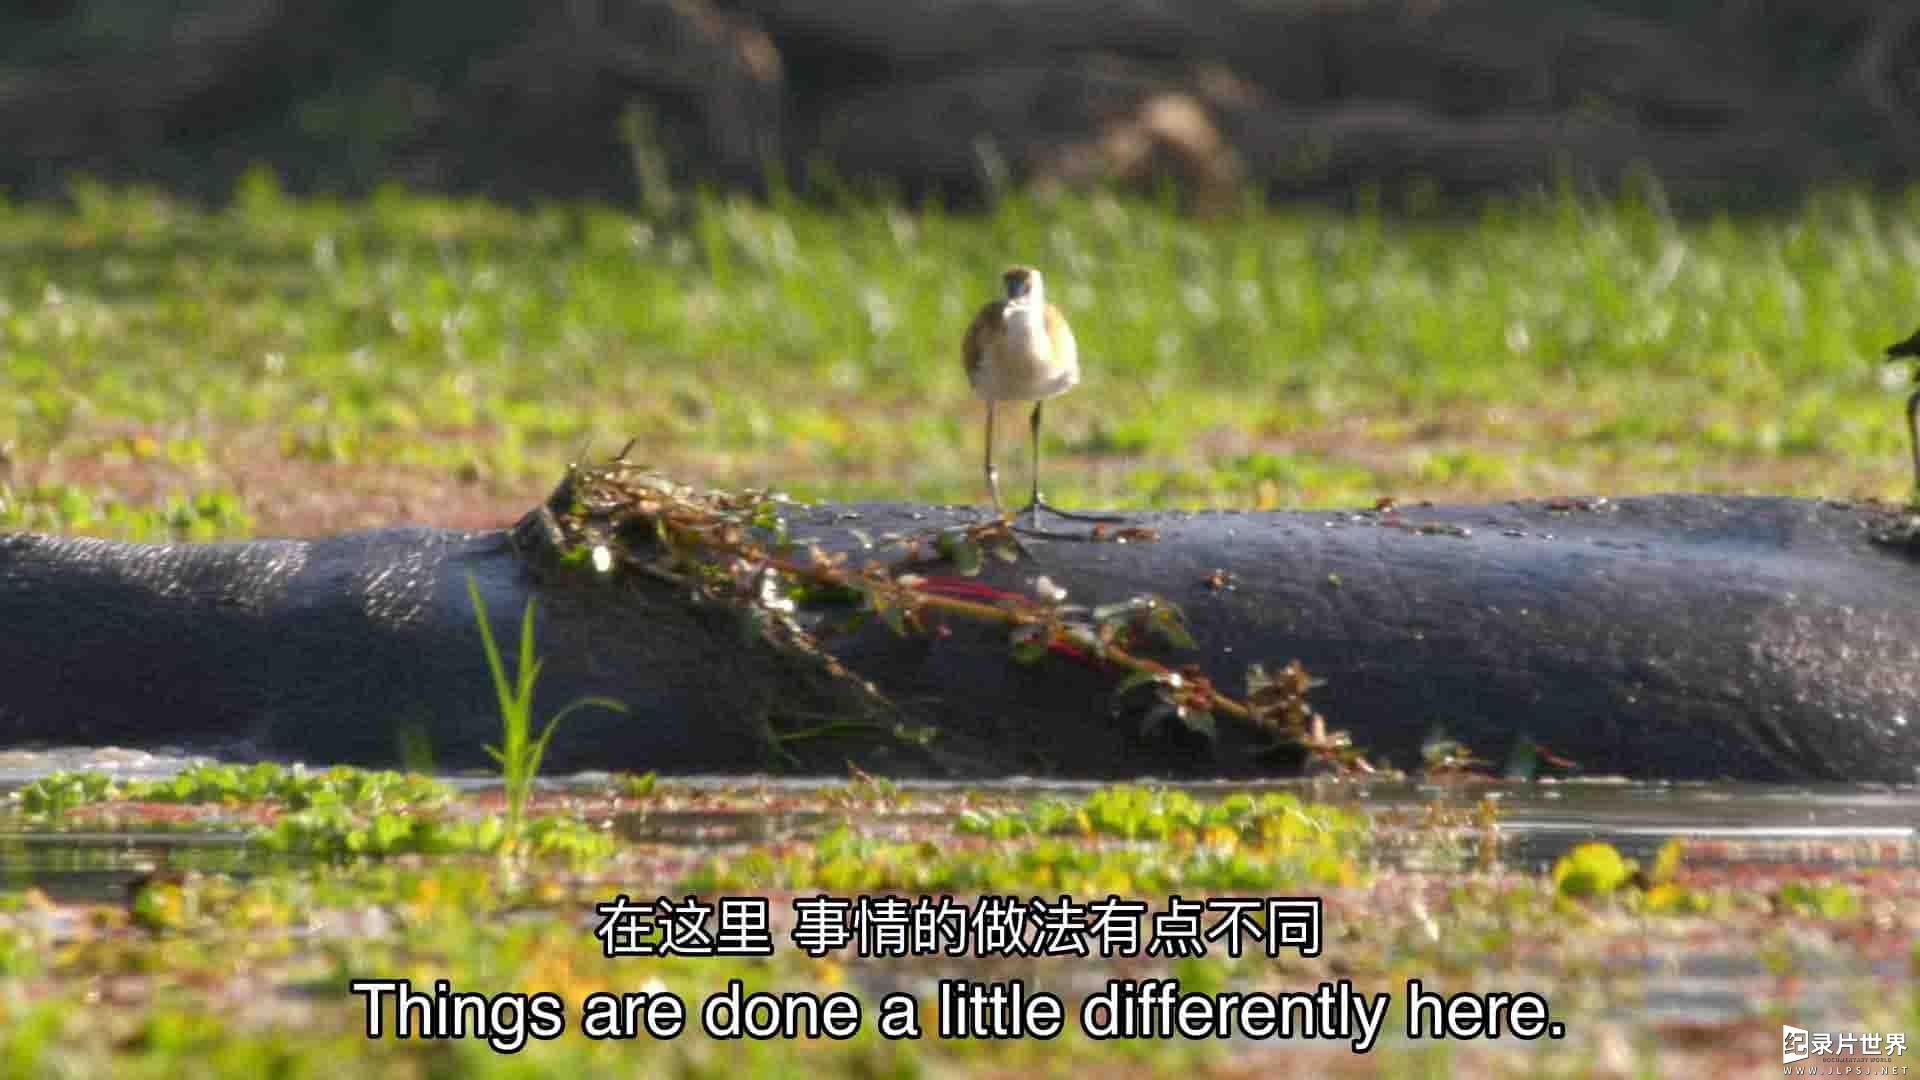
(1666, 636)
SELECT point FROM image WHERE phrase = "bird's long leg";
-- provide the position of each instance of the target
(1038, 503)
(1032, 509)
(993, 474)
(1033, 431)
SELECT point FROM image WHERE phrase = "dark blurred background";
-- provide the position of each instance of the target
(1726, 101)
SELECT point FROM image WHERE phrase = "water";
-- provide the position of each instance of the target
(1743, 830)
(1729, 823)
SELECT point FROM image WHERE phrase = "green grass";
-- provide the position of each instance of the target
(1268, 357)
(520, 751)
(66, 508)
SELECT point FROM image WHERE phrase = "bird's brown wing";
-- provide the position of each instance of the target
(987, 325)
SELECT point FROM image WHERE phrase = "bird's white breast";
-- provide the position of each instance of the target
(1027, 332)
(1027, 363)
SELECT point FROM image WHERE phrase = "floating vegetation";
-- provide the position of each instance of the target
(292, 787)
(844, 861)
(184, 971)
(334, 833)
(1131, 812)
(1896, 527)
(519, 752)
(335, 813)
(1592, 869)
(734, 551)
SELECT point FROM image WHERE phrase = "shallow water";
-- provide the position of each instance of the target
(1798, 830)
(1850, 825)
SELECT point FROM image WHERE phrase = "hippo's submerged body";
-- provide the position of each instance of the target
(1661, 637)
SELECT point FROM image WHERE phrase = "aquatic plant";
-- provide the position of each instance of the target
(519, 753)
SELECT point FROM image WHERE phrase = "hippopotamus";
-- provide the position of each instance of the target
(1662, 637)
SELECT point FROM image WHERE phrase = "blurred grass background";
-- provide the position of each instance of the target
(208, 368)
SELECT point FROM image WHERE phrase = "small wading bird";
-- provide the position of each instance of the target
(1020, 348)
(1910, 350)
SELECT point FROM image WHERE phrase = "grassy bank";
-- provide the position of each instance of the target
(334, 364)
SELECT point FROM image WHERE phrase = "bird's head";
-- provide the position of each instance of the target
(1906, 350)
(1022, 283)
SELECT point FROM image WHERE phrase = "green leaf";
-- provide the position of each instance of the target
(539, 748)
(1029, 643)
(1829, 900)
(529, 668)
(1666, 862)
(493, 652)
(1594, 868)
(962, 551)
(1170, 626)
(766, 515)
(1132, 682)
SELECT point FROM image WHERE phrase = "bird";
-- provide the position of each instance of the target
(1910, 350)
(1020, 348)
